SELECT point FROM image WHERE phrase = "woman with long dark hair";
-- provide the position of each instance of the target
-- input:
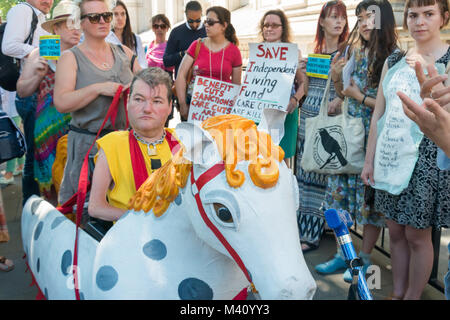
(332, 32)
(422, 202)
(370, 45)
(121, 33)
(219, 57)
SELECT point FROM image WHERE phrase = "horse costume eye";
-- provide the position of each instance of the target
(223, 213)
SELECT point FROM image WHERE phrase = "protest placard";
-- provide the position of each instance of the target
(210, 98)
(318, 65)
(50, 47)
(268, 80)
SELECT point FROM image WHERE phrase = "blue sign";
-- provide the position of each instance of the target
(318, 65)
(50, 47)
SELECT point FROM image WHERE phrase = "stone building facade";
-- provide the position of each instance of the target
(302, 14)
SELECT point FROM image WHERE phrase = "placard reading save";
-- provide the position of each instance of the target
(318, 65)
(50, 47)
(211, 98)
(268, 79)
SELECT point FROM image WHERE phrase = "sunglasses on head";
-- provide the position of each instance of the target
(210, 22)
(159, 26)
(95, 17)
(191, 21)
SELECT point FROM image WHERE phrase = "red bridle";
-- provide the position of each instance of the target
(197, 185)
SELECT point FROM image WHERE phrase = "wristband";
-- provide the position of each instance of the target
(293, 96)
(364, 99)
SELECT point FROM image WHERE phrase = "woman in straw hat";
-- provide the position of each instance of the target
(39, 75)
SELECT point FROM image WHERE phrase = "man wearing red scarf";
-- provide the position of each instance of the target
(126, 158)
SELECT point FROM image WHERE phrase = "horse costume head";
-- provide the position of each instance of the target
(220, 215)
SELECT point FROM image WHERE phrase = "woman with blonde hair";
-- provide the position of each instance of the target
(87, 78)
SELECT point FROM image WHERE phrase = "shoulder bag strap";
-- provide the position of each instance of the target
(34, 23)
(197, 51)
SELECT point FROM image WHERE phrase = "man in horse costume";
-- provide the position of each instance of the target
(126, 158)
(218, 217)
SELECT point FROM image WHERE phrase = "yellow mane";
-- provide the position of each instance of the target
(237, 140)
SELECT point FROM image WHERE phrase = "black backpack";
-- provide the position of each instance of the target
(9, 66)
(12, 140)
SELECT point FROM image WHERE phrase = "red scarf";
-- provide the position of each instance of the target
(137, 159)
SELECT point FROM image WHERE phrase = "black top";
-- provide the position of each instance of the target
(180, 39)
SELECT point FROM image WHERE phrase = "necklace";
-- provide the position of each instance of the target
(221, 65)
(152, 151)
(103, 64)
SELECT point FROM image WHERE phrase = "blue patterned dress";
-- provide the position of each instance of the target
(312, 186)
(346, 191)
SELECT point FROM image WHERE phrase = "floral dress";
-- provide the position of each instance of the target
(346, 191)
(50, 125)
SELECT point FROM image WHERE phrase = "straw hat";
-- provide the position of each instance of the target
(61, 12)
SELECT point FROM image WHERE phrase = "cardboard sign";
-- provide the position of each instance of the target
(318, 65)
(268, 80)
(50, 47)
(211, 98)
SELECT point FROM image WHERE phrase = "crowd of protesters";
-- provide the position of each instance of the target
(63, 104)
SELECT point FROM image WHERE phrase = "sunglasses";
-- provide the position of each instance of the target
(191, 21)
(159, 26)
(95, 17)
(210, 22)
(271, 25)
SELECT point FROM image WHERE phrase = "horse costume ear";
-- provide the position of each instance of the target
(200, 147)
(272, 122)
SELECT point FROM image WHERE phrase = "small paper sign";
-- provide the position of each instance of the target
(50, 47)
(318, 65)
(211, 98)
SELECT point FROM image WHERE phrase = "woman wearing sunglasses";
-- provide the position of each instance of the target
(121, 33)
(219, 57)
(155, 52)
(87, 78)
(274, 27)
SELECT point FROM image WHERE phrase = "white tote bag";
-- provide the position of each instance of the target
(398, 137)
(333, 145)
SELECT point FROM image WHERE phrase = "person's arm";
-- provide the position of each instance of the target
(65, 97)
(101, 181)
(302, 67)
(353, 91)
(16, 32)
(298, 95)
(140, 52)
(336, 74)
(236, 64)
(172, 56)
(431, 118)
(380, 107)
(181, 84)
(34, 70)
(136, 64)
(236, 75)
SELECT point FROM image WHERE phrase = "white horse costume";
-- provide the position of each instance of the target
(173, 254)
